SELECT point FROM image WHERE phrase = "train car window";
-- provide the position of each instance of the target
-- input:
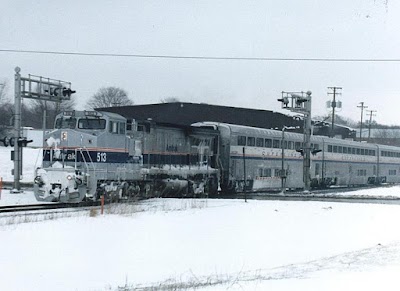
(268, 143)
(335, 150)
(285, 146)
(114, 127)
(373, 153)
(277, 173)
(316, 146)
(86, 123)
(345, 150)
(297, 145)
(361, 172)
(392, 172)
(353, 151)
(260, 142)
(122, 128)
(330, 148)
(65, 123)
(241, 140)
(340, 149)
(251, 141)
(290, 145)
(276, 143)
(267, 172)
(362, 152)
(358, 151)
(349, 150)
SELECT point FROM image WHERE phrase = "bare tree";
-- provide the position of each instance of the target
(37, 107)
(109, 97)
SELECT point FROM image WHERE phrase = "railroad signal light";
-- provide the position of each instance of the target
(285, 101)
(60, 91)
(56, 92)
(22, 142)
(315, 151)
(4, 141)
(67, 92)
(300, 101)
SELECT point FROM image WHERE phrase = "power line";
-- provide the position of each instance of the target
(199, 57)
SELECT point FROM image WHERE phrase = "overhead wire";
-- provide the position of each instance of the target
(194, 57)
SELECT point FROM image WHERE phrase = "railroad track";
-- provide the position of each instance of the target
(44, 206)
(29, 207)
(328, 195)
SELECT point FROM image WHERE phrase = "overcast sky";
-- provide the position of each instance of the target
(358, 29)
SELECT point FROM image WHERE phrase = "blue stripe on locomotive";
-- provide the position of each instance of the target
(91, 156)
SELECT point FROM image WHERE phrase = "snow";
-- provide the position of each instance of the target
(31, 159)
(258, 245)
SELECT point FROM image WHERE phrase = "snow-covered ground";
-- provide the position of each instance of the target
(258, 245)
(31, 159)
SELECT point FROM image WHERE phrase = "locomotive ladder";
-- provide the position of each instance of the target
(89, 165)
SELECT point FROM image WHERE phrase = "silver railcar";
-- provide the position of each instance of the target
(264, 158)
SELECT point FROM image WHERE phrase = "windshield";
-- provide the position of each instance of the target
(97, 123)
(66, 122)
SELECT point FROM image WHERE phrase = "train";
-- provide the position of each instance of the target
(90, 154)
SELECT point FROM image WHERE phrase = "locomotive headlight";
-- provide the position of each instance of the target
(64, 135)
(69, 177)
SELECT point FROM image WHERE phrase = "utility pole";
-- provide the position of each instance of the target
(333, 104)
(362, 106)
(371, 113)
(17, 130)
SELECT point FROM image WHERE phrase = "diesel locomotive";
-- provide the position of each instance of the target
(93, 153)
